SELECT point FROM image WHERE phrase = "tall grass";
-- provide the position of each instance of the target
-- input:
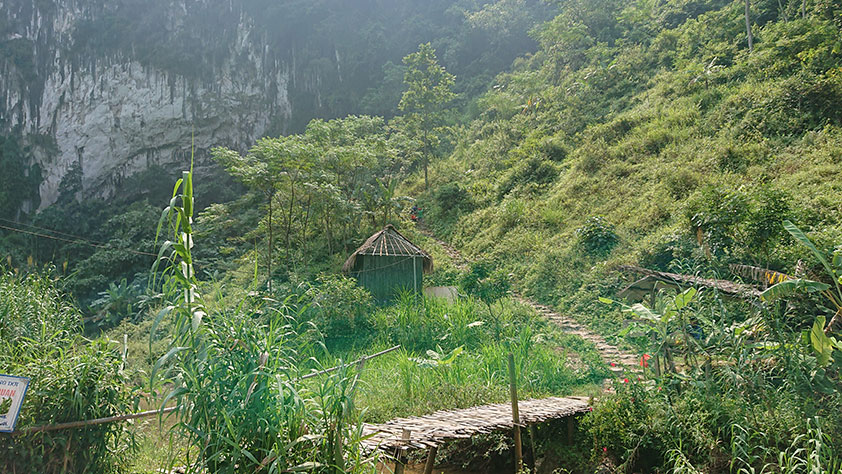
(72, 379)
(451, 357)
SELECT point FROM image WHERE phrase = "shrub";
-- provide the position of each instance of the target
(339, 306)
(680, 183)
(71, 380)
(597, 236)
(444, 205)
(717, 213)
(532, 171)
(553, 149)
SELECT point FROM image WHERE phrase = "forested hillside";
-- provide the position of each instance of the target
(660, 134)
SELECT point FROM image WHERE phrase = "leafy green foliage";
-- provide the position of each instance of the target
(597, 236)
(429, 91)
(338, 305)
(486, 283)
(324, 188)
(234, 373)
(115, 303)
(707, 416)
(664, 326)
(442, 207)
(71, 380)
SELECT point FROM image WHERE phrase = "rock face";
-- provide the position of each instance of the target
(97, 90)
(111, 115)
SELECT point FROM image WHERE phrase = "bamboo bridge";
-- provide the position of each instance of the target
(399, 436)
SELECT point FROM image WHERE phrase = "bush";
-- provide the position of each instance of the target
(339, 306)
(443, 206)
(533, 171)
(71, 380)
(717, 214)
(597, 236)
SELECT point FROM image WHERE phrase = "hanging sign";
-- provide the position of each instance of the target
(12, 391)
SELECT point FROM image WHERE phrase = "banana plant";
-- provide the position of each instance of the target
(822, 344)
(793, 286)
(662, 326)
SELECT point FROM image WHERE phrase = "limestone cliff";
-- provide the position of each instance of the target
(107, 88)
(112, 114)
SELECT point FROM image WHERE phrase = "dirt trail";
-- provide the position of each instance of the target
(622, 360)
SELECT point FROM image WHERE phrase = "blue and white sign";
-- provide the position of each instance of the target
(12, 391)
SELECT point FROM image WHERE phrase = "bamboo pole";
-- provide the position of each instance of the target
(358, 361)
(84, 423)
(144, 414)
(515, 414)
(533, 446)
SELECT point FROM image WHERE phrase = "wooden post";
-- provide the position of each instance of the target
(515, 414)
(400, 455)
(570, 430)
(431, 459)
(533, 445)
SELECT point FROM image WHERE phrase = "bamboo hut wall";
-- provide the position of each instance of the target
(386, 276)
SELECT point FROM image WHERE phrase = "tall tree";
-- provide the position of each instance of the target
(256, 171)
(268, 166)
(424, 103)
(748, 27)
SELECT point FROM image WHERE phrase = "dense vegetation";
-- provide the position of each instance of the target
(72, 379)
(653, 135)
(649, 133)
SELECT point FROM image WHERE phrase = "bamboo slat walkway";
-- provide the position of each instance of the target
(430, 431)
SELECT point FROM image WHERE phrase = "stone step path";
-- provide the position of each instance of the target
(622, 360)
(618, 360)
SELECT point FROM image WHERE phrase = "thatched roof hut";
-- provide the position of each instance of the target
(386, 263)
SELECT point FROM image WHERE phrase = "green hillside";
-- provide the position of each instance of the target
(655, 129)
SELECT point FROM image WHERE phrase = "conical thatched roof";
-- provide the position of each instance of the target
(389, 243)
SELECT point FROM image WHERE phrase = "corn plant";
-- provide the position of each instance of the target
(234, 376)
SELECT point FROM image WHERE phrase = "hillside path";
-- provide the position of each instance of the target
(611, 354)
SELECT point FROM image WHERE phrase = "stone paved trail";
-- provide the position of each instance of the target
(623, 360)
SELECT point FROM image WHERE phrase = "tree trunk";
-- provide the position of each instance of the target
(426, 181)
(426, 155)
(271, 243)
(748, 28)
(289, 217)
(803, 8)
(306, 223)
(327, 234)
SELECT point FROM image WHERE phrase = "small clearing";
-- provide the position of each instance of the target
(618, 359)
